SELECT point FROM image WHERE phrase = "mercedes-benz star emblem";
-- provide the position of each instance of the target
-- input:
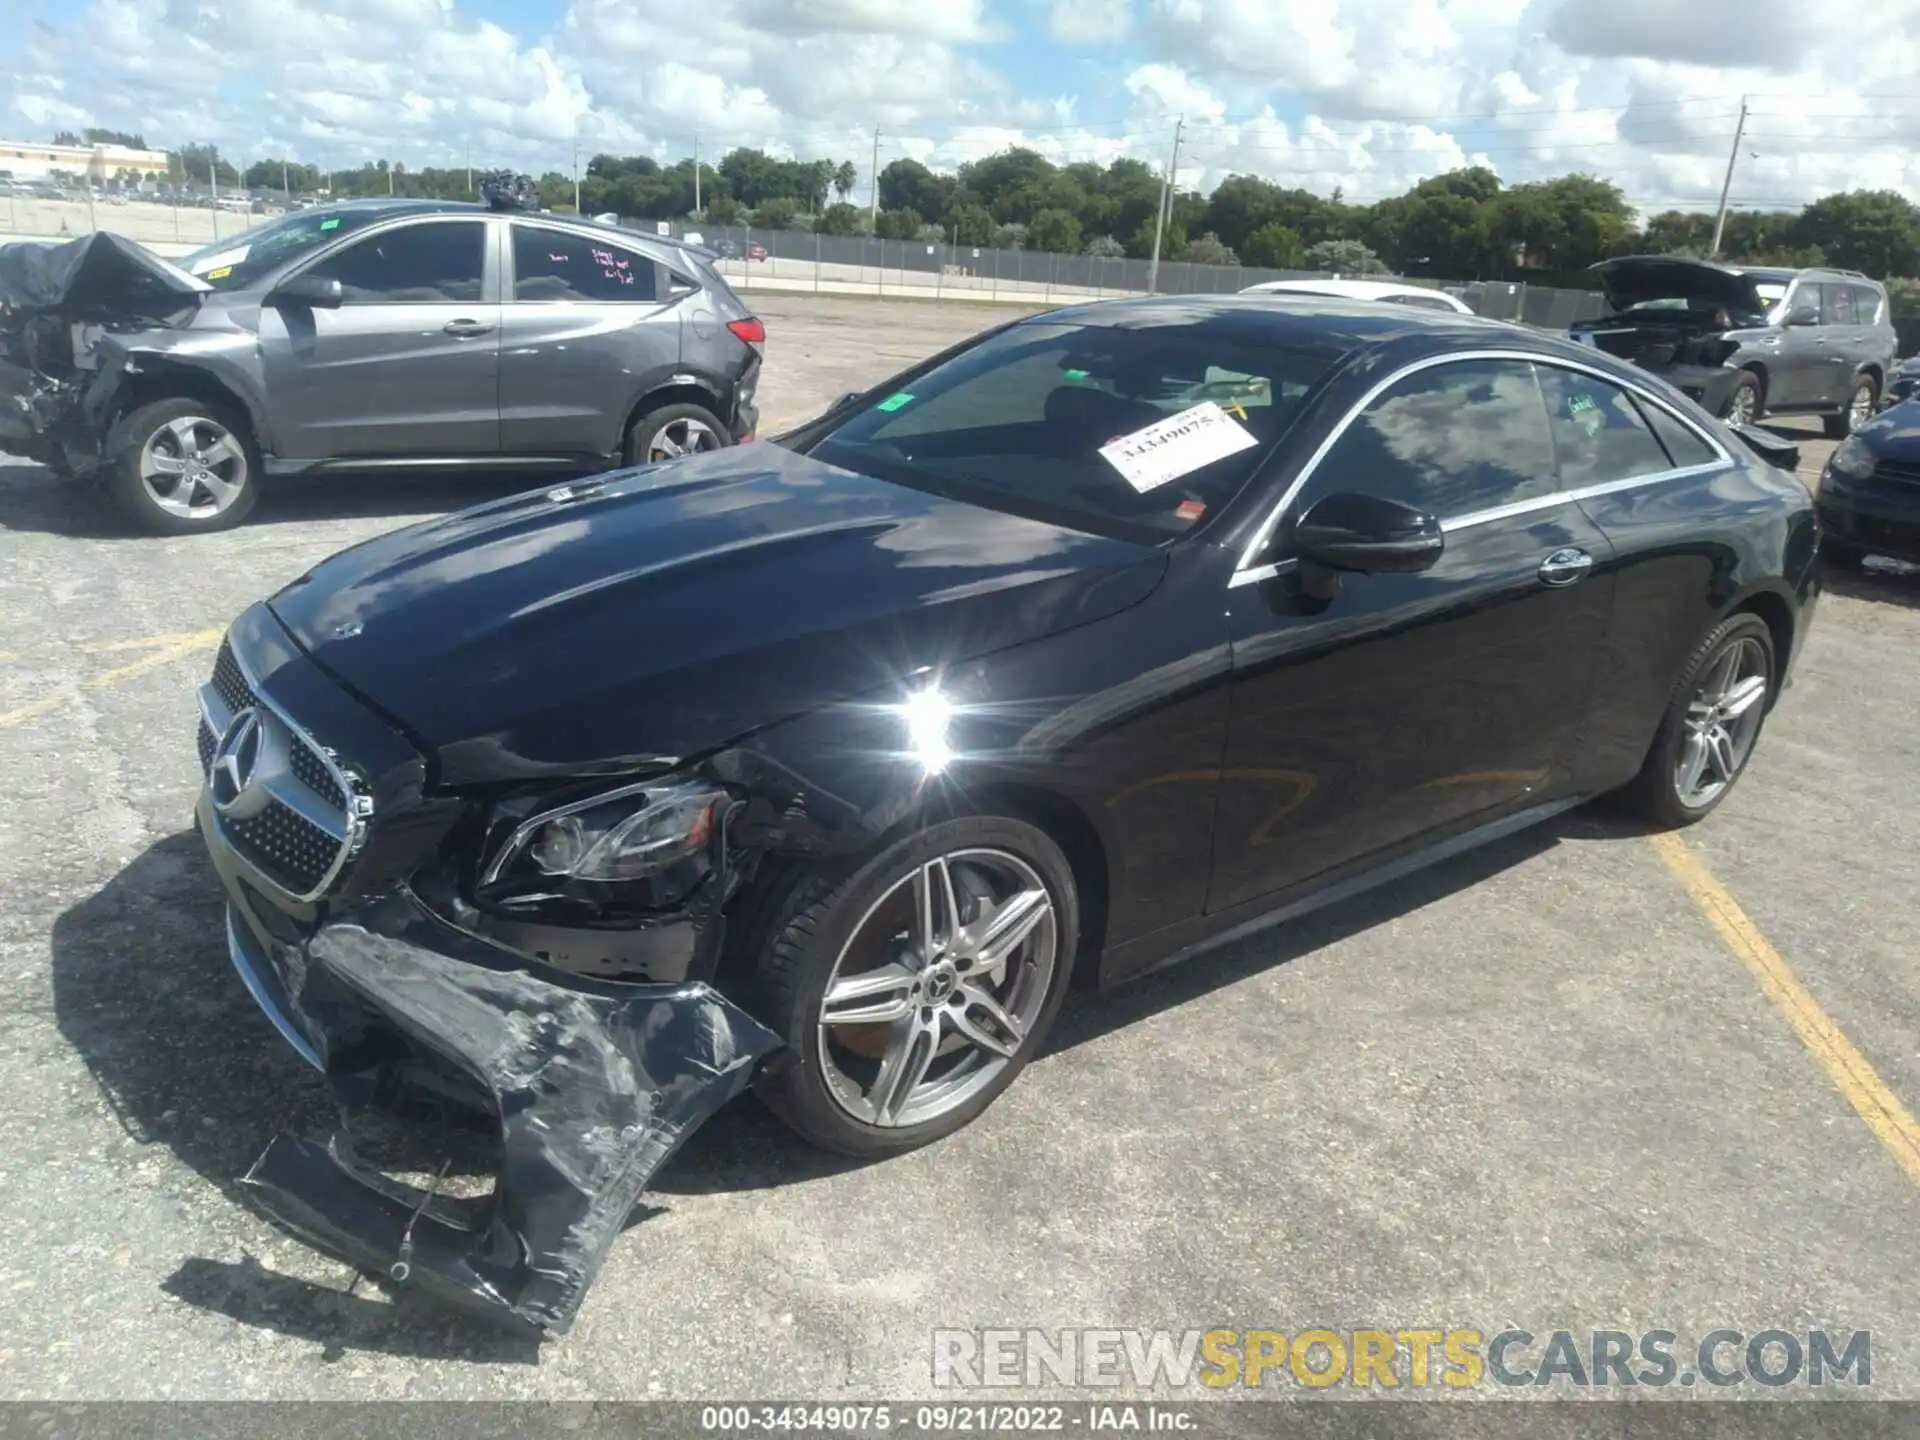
(236, 766)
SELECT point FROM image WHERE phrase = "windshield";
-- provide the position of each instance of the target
(1137, 434)
(239, 260)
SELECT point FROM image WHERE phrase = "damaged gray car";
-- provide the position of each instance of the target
(388, 335)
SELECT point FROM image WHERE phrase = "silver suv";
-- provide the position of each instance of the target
(376, 334)
(1748, 341)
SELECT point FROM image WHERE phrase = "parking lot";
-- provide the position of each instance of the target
(1584, 1079)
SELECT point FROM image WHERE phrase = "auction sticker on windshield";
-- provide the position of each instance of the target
(1176, 446)
(227, 258)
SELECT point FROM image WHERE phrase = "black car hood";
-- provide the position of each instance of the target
(1634, 279)
(654, 614)
(99, 276)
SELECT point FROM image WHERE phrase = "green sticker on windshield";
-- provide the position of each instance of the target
(897, 401)
(1074, 374)
(330, 224)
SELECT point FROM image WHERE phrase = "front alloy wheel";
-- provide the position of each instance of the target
(1861, 405)
(182, 465)
(1744, 407)
(938, 987)
(913, 990)
(193, 467)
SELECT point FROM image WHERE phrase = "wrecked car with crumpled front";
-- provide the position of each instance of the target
(73, 319)
(1747, 341)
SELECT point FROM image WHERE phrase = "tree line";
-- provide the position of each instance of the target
(1463, 225)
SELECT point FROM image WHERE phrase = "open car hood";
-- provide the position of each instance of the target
(99, 276)
(1635, 279)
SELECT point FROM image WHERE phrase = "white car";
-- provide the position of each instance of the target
(1393, 292)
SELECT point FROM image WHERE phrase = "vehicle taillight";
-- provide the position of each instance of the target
(749, 330)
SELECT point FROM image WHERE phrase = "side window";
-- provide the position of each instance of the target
(1806, 293)
(1597, 431)
(414, 265)
(1449, 440)
(1682, 443)
(1866, 304)
(1840, 305)
(551, 265)
(1419, 302)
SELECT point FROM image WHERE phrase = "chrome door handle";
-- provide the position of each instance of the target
(465, 328)
(1563, 567)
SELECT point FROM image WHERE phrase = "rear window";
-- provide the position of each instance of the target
(1138, 434)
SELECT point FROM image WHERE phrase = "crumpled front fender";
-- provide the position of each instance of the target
(594, 1086)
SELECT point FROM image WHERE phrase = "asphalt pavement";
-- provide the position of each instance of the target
(1579, 1080)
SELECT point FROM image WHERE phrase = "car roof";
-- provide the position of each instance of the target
(401, 205)
(1333, 327)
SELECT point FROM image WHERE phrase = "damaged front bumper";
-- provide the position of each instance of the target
(593, 1085)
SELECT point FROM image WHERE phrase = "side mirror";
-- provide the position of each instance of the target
(844, 401)
(1367, 535)
(1804, 315)
(312, 290)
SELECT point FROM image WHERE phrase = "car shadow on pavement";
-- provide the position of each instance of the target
(31, 500)
(1088, 1016)
(1886, 582)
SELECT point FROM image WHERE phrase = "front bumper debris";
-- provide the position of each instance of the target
(593, 1085)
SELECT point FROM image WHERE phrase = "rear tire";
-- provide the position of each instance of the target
(675, 430)
(1704, 743)
(1862, 400)
(182, 466)
(860, 1086)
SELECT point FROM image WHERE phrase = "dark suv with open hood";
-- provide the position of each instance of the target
(1748, 341)
(388, 334)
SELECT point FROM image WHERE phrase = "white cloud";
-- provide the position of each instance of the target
(1367, 95)
(1090, 22)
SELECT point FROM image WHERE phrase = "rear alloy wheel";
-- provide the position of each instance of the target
(1711, 726)
(1860, 407)
(914, 992)
(1744, 406)
(673, 431)
(182, 466)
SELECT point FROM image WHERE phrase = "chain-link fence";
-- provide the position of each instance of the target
(806, 260)
(787, 259)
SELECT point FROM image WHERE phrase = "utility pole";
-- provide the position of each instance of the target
(286, 185)
(1166, 205)
(390, 165)
(576, 172)
(696, 170)
(469, 164)
(873, 211)
(1726, 185)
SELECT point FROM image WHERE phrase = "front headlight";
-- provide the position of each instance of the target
(633, 833)
(1852, 459)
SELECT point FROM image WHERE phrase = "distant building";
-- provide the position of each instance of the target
(24, 160)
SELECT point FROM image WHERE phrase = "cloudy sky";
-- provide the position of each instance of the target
(1364, 95)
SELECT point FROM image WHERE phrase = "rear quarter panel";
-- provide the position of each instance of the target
(1689, 552)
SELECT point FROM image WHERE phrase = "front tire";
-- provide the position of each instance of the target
(914, 990)
(1712, 724)
(675, 430)
(1862, 401)
(182, 466)
(1748, 402)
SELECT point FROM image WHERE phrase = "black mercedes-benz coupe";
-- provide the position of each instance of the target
(824, 764)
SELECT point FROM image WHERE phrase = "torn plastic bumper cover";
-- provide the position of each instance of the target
(594, 1085)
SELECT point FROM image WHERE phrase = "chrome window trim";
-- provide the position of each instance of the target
(1247, 573)
(349, 831)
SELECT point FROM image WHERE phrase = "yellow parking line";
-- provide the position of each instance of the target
(1844, 1064)
(163, 650)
